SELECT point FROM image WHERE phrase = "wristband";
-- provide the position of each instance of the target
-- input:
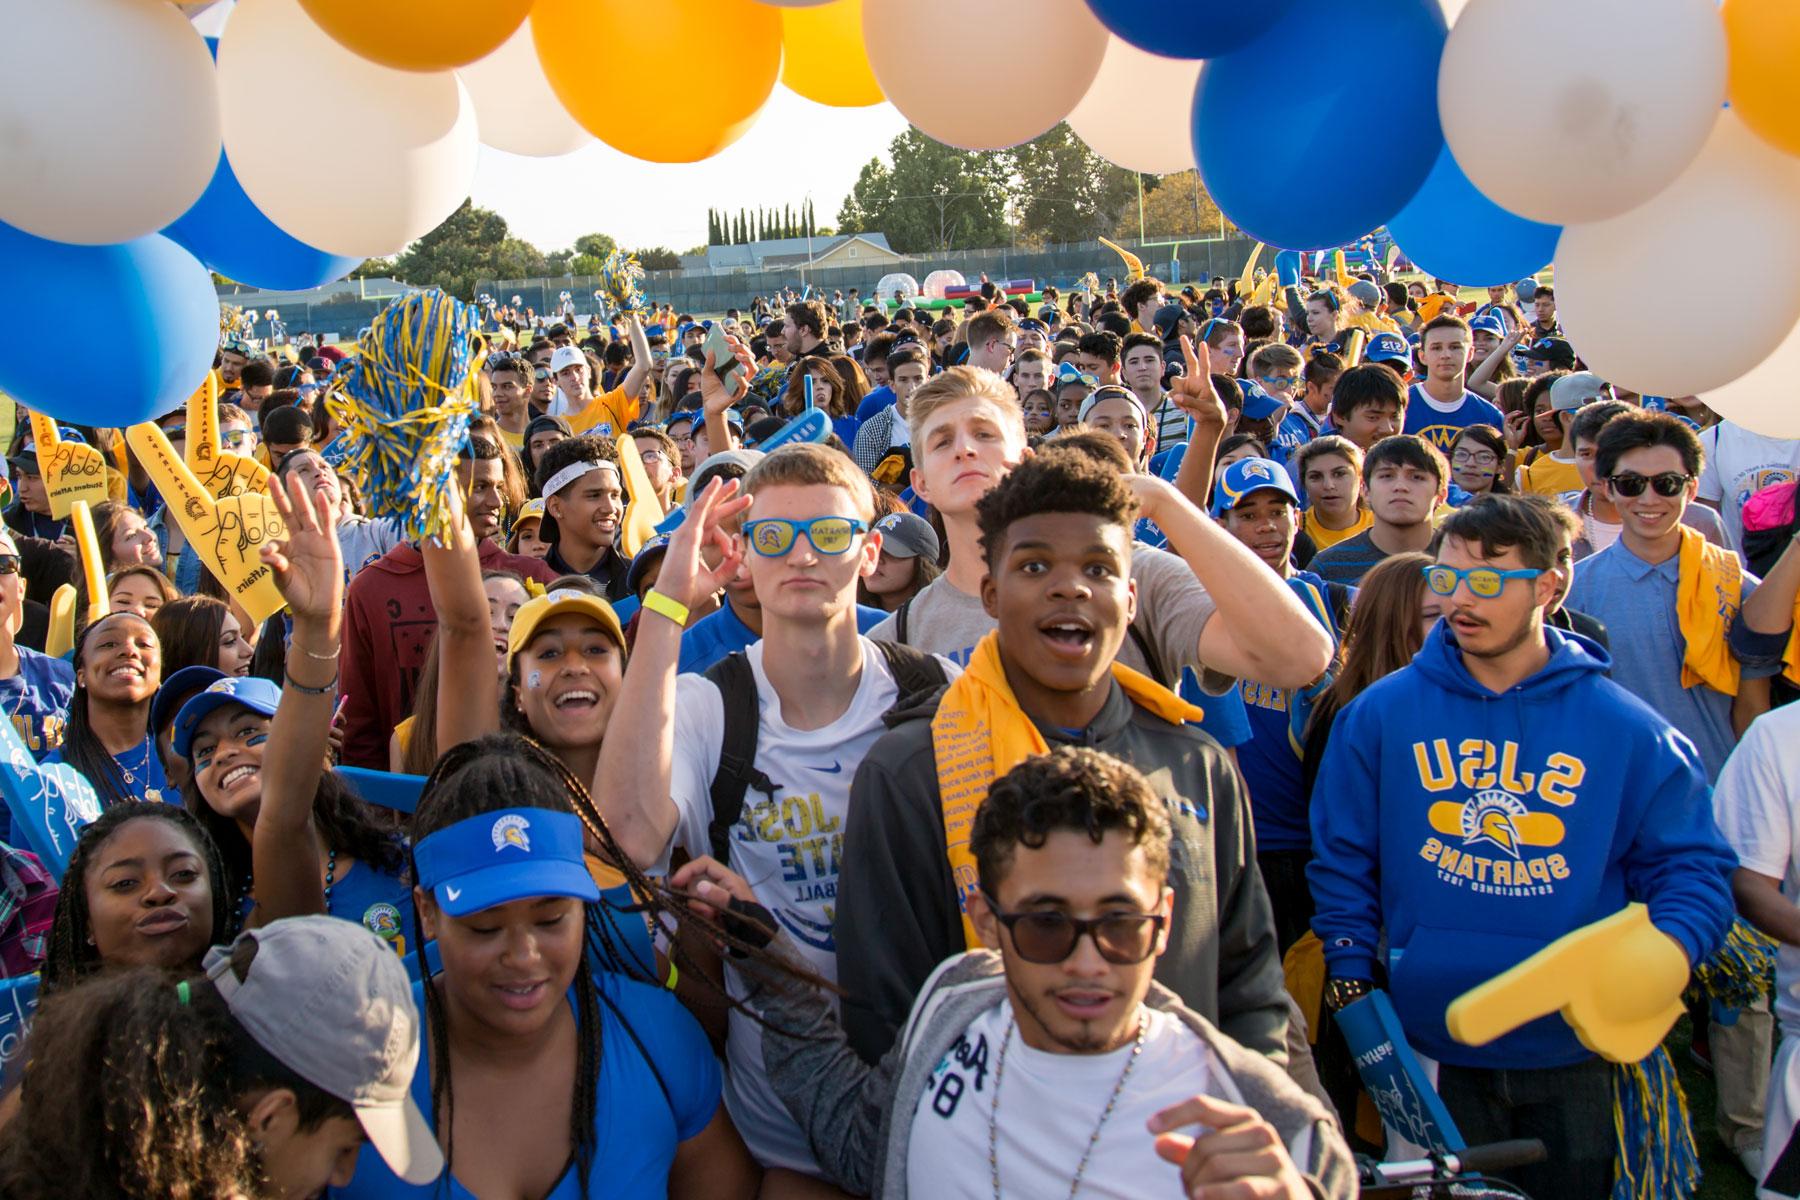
(328, 690)
(675, 610)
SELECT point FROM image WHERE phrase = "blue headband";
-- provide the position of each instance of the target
(499, 857)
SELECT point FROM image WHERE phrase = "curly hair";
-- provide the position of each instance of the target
(70, 957)
(1055, 480)
(1071, 788)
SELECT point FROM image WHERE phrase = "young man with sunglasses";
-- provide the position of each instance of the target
(1050, 1063)
(1478, 804)
(1059, 587)
(821, 694)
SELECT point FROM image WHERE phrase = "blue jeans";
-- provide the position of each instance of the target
(1569, 1109)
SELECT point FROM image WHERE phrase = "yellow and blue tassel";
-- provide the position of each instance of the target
(405, 408)
(1656, 1158)
(622, 281)
(1740, 973)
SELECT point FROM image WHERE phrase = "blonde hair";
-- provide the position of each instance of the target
(810, 465)
(962, 383)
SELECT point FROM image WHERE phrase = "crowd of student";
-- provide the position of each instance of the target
(976, 770)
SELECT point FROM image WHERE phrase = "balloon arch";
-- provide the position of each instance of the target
(1638, 155)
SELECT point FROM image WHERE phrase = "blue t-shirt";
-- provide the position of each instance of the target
(141, 773)
(1270, 758)
(37, 700)
(1440, 428)
(373, 898)
(716, 637)
(882, 397)
(636, 1130)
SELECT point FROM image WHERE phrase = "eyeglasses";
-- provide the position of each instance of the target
(652, 456)
(540, 373)
(1474, 458)
(233, 438)
(9, 564)
(1050, 937)
(773, 537)
(1485, 582)
(1631, 485)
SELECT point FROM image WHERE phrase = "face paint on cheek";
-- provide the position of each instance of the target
(535, 681)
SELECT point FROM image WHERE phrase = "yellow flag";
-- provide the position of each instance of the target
(226, 532)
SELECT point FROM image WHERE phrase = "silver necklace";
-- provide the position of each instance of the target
(1137, 1047)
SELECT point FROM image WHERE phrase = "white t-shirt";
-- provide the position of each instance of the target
(787, 846)
(1757, 805)
(1738, 465)
(1048, 1107)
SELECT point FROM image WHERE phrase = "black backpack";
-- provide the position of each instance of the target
(914, 671)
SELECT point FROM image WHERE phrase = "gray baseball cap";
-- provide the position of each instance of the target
(1571, 392)
(331, 1001)
(1365, 292)
(908, 535)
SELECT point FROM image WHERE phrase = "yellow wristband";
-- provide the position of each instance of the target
(656, 602)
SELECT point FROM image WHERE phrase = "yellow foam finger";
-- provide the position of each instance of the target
(70, 470)
(230, 474)
(92, 565)
(61, 638)
(203, 426)
(645, 511)
(227, 533)
(1617, 982)
(1247, 280)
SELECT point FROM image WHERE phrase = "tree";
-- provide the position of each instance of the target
(374, 268)
(1067, 193)
(1178, 206)
(472, 244)
(659, 258)
(932, 197)
(597, 244)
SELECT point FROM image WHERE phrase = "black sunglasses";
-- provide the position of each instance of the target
(1050, 937)
(1668, 484)
(9, 564)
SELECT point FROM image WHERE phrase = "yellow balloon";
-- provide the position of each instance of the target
(610, 62)
(1763, 40)
(823, 57)
(419, 35)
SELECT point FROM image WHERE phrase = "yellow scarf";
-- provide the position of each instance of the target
(1707, 594)
(980, 733)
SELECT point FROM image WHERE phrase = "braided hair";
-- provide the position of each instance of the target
(70, 957)
(82, 748)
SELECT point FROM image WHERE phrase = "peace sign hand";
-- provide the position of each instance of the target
(1193, 392)
(308, 564)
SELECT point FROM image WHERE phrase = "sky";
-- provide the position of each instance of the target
(552, 201)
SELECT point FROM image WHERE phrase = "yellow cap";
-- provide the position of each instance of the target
(533, 613)
(532, 511)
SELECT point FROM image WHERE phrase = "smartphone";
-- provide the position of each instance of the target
(718, 353)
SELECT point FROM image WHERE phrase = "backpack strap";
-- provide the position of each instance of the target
(900, 615)
(736, 772)
(915, 672)
(1151, 659)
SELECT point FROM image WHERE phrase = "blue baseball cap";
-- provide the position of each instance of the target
(1247, 476)
(1488, 322)
(1388, 347)
(176, 690)
(499, 857)
(257, 695)
(1258, 404)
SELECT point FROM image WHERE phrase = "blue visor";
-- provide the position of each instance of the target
(257, 695)
(499, 857)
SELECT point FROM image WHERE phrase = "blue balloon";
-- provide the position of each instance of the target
(1317, 162)
(1188, 28)
(149, 301)
(1452, 231)
(228, 233)
(1287, 268)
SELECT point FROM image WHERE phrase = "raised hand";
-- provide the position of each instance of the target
(685, 577)
(715, 396)
(1193, 392)
(308, 564)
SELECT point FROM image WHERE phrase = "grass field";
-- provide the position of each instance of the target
(1722, 1178)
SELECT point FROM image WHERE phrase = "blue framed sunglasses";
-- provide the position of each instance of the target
(773, 537)
(1485, 582)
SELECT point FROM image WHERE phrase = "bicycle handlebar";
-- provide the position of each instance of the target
(1496, 1156)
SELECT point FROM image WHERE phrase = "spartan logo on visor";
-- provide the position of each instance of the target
(510, 831)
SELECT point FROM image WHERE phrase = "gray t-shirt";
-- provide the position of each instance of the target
(1172, 610)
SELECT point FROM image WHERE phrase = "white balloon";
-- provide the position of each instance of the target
(1763, 399)
(109, 118)
(1577, 110)
(1731, 219)
(515, 108)
(1138, 114)
(979, 76)
(408, 137)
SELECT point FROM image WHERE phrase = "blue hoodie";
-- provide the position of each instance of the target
(1476, 828)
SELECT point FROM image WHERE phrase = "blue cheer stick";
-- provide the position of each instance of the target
(812, 425)
(808, 381)
(49, 804)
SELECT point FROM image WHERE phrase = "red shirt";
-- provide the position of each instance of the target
(388, 623)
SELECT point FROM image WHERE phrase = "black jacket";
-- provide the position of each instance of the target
(898, 917)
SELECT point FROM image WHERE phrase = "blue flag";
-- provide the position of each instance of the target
(49, 805)
(1395, 1080)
